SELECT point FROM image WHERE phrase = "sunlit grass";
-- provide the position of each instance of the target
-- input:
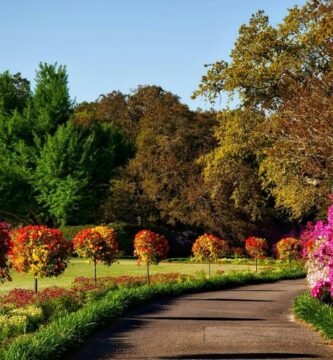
(78, 267)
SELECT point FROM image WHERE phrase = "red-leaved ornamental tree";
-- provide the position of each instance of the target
(150, 248)
(97, 245)
(209, 248)
(288, 249)
(5, 244)
(256, 248)
(40, 251)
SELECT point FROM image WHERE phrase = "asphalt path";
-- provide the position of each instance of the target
(249, 322)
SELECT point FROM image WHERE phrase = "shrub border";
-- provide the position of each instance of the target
(315, 313)
(55, 339)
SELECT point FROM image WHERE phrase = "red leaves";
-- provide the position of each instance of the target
(23, 297)
(18, 297)
(256, 247)
(150, 247)
(97, 244)
(39, 250)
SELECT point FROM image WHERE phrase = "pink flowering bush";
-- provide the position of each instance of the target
(317, 241)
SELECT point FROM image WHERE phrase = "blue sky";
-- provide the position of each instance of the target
(116, 45)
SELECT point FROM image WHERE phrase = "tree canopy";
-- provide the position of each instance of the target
(282, 130)
(51, 170)
(145, 158)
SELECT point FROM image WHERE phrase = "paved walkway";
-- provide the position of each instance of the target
(250, 322)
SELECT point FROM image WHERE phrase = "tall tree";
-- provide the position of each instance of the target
(169, 140)
(266, 61)
(298, 167)
(276, 73)
(52, 170)
(51, 98)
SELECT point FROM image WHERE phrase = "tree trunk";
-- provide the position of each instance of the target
(36, 285)
(148, 276)
(95, 271)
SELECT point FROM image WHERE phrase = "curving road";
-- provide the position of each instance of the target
(250, 322)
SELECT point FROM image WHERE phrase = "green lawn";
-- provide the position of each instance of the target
(79, 267)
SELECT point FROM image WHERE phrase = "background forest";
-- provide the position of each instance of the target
(262, 167)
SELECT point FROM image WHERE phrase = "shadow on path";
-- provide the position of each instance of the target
(222, 299)
(259, 290)
(244, 356)
(201, 318)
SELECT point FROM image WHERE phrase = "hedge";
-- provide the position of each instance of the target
(316, 313)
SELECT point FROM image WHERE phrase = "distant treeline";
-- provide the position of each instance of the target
(145, 158)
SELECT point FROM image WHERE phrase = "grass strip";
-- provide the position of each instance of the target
(316, 313)
(55, 339)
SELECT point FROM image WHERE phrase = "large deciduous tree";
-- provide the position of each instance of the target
(278, 140)
(162, 182)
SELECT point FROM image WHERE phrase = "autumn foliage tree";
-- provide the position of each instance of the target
(5, 245)
(97, 244)
(150, 248)
(288, 249)
(299, 164)
(256, 248)
(279, 138)
(209, 248)
(40, 251)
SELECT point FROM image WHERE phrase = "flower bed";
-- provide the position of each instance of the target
(24, 311)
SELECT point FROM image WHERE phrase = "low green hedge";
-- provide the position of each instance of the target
(70, 231)
(54, 339)
(316, 313)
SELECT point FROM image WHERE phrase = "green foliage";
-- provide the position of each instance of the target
(125, 236)
(316, 313)
(14, 93)
(61, 178)
(51, 170)
(70, 231)
(65, 333)
(55, 308)
(231, 174)
(51, 99)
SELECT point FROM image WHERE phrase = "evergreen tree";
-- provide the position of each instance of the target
(50, 169)
(51, 98)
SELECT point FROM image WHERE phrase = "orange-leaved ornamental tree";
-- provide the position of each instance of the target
(209, 248)
(288, 249)
(97, 244)
(150, 248)
(40, 251)
(256, 248)
(5, 245)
